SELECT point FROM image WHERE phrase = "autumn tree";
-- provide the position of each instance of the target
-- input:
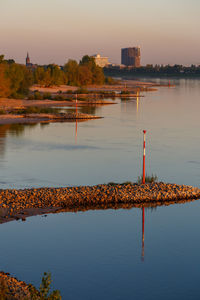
(97, 72)
(4, 82)
(71, 71)
(20, 79)
(85, 75)
(39, 75)
(58, 77)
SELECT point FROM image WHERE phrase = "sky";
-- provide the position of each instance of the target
(53, 31)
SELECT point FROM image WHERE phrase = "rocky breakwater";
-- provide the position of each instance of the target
(61, 116)
(12, 288)
(17, 204)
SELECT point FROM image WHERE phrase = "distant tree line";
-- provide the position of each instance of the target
(156, 70)
(72, 73)
(15, 79)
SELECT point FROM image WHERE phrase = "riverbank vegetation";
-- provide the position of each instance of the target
(176, 70)
(44, 291)
(148, 178)
(16, 79)
(11, 288)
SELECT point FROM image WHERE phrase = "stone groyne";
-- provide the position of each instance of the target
(61, 116)
(19, 204)
(12, 288)
(45, 118)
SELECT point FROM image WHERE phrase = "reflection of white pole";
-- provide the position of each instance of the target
(143, 233)
(76, 106)
(137, 101)
(76, 131)
(144, 146)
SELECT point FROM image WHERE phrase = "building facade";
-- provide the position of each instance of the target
(131, 56)
(100, 61)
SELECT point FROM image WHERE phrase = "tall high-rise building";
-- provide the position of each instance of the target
(131, 56)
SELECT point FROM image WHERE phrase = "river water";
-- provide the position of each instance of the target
(100, 254)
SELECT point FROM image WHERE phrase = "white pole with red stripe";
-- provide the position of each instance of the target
(144, 145)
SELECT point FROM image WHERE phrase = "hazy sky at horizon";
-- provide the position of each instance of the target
(56, 30)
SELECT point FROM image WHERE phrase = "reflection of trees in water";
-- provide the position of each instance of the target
(13, 130)
(87, 109)
(3, 134)
(19, 129)
(45, 124)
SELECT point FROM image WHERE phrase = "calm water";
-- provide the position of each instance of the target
(98, 254)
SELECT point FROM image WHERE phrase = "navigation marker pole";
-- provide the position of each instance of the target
(144, 145)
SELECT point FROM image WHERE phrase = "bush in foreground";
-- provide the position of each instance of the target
(148, 179)
(44, 290)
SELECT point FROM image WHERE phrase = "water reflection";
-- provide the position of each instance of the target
(143, 220)
(15, 130)
(92, 110)
(85, 109)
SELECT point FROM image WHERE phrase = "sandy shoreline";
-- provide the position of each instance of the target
(22, 103)
(105, 87)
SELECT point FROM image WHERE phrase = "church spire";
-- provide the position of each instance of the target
(28, 59)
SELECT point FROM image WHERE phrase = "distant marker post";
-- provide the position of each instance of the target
(144, 146)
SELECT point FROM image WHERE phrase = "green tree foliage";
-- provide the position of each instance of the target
(21, 79)
(58, 77)
(98, 75)
(148, 178)
(10, 61)
(1, 59)
(15, 79)
(157, 70)
(71, 72)
(39, 76)
(97, 72)
(85, 75)
(4, 82)
(49, 76)
(44, 290)
(87, 60)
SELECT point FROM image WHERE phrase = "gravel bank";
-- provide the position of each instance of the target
(11, 288)
(42, 118)
(16, 204)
